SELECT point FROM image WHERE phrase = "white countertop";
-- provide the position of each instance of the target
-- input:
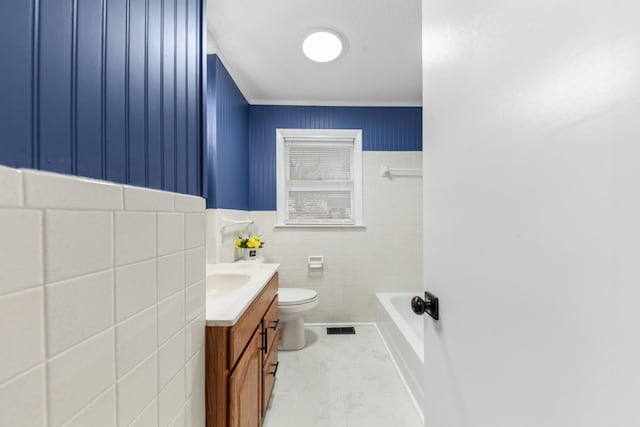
(232, 287)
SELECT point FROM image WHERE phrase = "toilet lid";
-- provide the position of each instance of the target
(294, 296)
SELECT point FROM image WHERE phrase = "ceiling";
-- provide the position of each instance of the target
(260, 43)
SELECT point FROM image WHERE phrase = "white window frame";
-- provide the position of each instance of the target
(315, 136)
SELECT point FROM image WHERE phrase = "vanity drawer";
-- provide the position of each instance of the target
(269, 372)
(240, 333)
(270, 325)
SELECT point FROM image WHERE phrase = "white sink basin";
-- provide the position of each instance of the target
(232, 287)
(223, 284)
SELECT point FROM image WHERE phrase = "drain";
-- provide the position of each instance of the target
(347, 330)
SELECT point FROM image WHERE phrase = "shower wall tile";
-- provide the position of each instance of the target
(94, 304)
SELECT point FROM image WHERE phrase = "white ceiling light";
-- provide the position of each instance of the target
(323, 46)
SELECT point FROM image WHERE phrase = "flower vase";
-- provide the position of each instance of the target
(250, 254)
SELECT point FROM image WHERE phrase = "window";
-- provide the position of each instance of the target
(319, 177)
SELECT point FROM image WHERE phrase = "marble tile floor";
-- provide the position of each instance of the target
(340, 381)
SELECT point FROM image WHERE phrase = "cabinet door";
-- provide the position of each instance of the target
(245, 386)
(269, 370)
(270, 325)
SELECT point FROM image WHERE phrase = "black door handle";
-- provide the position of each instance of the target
(427, 305)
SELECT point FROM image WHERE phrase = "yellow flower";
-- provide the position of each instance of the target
(239, 242)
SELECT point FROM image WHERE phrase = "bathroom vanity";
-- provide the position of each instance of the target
(241, 342)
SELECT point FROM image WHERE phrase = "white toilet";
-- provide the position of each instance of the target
(293, 304)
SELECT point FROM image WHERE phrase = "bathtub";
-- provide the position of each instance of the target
(403, 332)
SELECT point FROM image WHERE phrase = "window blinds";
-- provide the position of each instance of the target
(319, 181)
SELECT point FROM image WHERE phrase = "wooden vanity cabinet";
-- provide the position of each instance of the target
(241, 363)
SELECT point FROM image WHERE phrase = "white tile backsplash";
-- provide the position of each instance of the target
(135, 236)
(20, 249)
(78, 376)
(77, 243)
(78, 309)
(21, 334)
(91, 273)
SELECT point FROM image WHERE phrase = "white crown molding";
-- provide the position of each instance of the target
(310, 103)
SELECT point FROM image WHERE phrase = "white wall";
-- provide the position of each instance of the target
(386, 256)
(532, 200)
(101, 303)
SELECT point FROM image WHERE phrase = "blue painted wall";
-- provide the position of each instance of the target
(383, 129)
(228, 140)
(109, 89)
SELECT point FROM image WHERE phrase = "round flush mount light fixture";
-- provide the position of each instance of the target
(323, 46)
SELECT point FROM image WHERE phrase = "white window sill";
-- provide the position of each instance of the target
(336, 226)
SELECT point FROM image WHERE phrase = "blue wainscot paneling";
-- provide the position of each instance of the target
(383, 129)
(228, 140)
(109, 89)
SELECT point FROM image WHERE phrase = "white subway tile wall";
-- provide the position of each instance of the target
(385, 256)
(101, 306)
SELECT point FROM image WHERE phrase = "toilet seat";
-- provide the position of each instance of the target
(295, 296)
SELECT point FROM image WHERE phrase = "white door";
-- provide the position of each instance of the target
(532, 212)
